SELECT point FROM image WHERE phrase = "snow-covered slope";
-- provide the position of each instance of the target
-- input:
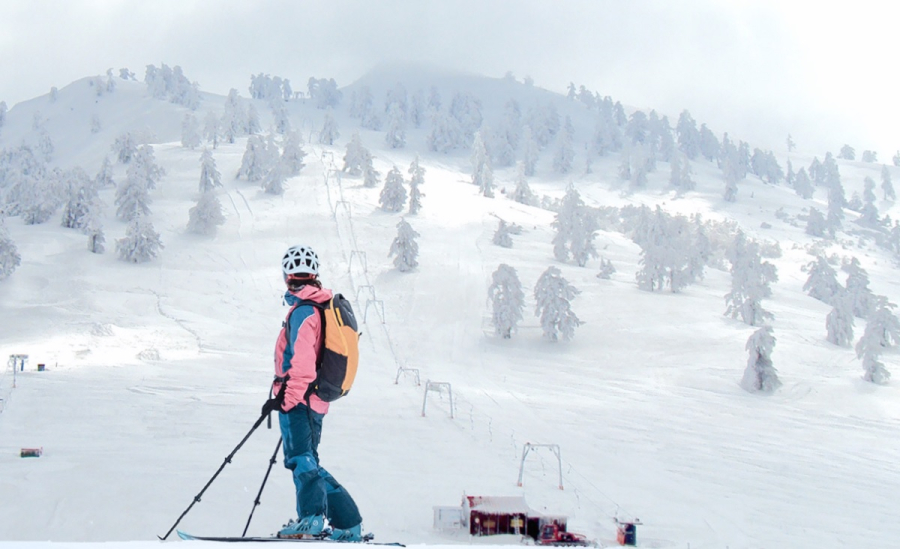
(156, 371)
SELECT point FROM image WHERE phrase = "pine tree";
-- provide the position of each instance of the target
(507, 301)
(329, 132)
(802, 184)
(869, 212)
(839, 322)
(370, 174)
(530, 151)
(522, 193)
(141, 242)
(482, 173)
(502, 236)
(190, 132)
(750, 279)
(395, 137)
(210, 178)
(206, 215)
(211, 129)
(552, 295)
(887, 186)
(124, 147)
(83, 198)
(256, 162)
(133, 194)
(606, 269)
(760, 375)
(688, 135)
(393, 194)
(565, 152)
(445, 134)
(862, 300)
(405, 247)
(9, 254)
(576, 228)
(816, 224)
(822, 283)
(671, 254)
(882, 332)
(273, 182)
(96, 238)
(356, 156)
(292, 154)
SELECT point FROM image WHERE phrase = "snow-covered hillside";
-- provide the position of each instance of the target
(155, 371)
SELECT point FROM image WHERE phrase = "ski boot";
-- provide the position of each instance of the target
(307, 527)
(347, 534)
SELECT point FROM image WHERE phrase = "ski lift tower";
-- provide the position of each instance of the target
(17, 361)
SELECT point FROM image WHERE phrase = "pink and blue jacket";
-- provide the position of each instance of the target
(295, 353)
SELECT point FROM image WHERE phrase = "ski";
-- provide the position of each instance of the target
(367, 539)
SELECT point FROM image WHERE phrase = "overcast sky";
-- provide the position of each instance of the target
(759, 69)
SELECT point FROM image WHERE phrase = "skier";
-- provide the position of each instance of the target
(324, 507)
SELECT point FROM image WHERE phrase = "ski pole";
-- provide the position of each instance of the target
(224, 463)
(265, 479)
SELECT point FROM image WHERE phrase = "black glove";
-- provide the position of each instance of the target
(271, 405)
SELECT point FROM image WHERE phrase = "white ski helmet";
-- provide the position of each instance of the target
(300, 260)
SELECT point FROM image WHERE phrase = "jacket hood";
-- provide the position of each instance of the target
(311, 293)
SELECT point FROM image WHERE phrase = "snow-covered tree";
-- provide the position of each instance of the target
(206, 215)
(822, 283)
(292, 154)
(124, 147)
(847, 153)
(709, 144)
(505, 141)
(869, 212)
(9, 254)
(576, 227)
(96, 124)
(522, 193)
(681, 176)
(750, 279)
(565, 151)
(502, 236)
(280, 117)
(671, 253)
(329, 132)
(802, 184)
(466, 110)
(273, 181)
(142, 175)
(688, 135)
(760, 375)
(3, 110)
(416, 179)
(393, 194)
(211, 127)
(882, 332)
(445, 134)
(210, 178)
(606, 269)
(862, 300)
(190, 132)
(83, 199)
(482, 173)
(507, 301)
(405, 247)
(530, 151)
(104, 178)
(370, 174)
(552, 295)
(256, 161)
(141, 242)
(324, 92)
(816, 224)
(870, 157)
(96, 239)
(839, 322)
(790, 143)
(356, 156)
(395, 137)
(887, 187)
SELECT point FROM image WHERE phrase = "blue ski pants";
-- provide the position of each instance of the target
(318, 493)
